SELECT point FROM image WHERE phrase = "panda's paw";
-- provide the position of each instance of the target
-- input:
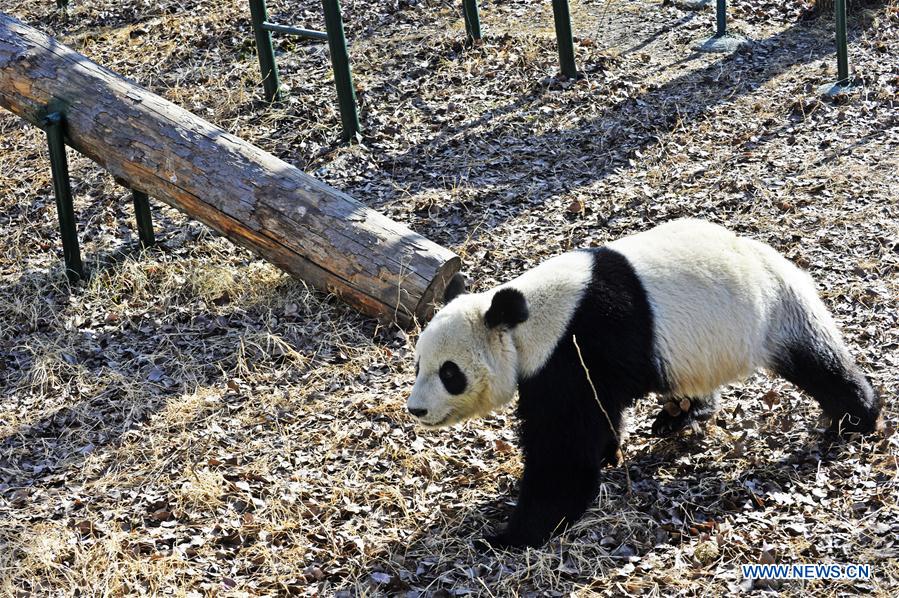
(613, 457)
(508, 539)
(670, 420)
(680, 413)
(849, 426)
(502, 541)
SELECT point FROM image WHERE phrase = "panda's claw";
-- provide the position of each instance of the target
(500, 541)
(495, 541)
(684, 412)
(666, 424)
(848, 426)
(486, 543)
(614, 457)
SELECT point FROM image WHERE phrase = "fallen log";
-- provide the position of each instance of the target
(305, 227)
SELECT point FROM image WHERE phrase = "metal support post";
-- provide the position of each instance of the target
(143, 217)
(842, 44)
(340, 62)
(562, 18)
(721, 18)
(722, 40)
(265, 51)
(842, 84)
(472, 19)
(54, 126)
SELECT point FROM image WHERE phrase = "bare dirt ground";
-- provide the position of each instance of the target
(191, 421)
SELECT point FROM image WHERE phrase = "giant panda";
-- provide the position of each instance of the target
(679, 310)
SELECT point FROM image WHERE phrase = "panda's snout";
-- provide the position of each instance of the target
(418, 412)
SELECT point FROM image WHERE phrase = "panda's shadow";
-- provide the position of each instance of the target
(811, 447)
(670, 467)
(666, 492)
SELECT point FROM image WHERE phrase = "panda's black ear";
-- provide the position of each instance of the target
(509, 308)
(456, 287)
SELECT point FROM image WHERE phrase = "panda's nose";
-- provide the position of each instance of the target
(418, 412)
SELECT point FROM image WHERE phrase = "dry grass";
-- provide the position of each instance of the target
(190, 421)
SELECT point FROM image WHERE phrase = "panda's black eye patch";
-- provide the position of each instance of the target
(416, 368)
(452, 377)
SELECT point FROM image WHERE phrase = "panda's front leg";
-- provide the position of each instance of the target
(565, 439)
(554, 493)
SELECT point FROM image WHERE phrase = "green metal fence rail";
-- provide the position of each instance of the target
(340, 58)
(265, 51)
(340, 64)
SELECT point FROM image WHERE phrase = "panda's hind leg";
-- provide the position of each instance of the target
(806, 348)
(826, 372)
(683, 412)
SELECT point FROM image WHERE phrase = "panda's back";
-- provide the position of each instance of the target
(713, 296)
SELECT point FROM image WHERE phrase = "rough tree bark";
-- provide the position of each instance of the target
(305, 227)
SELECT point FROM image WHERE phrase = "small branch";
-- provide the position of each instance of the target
(604, 412)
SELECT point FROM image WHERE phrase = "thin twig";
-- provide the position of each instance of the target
(604, 412)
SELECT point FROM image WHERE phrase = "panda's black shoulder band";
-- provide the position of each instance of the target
(457, 286)
(508, 308)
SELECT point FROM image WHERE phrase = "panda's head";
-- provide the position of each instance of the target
(466, 364)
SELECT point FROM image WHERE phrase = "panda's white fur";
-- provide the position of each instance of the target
(680, 309)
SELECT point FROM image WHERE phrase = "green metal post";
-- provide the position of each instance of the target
(842, 44)
(62, 187)
(562, 18)
(340, 62)
(472, 19)
(265, 51)
(721, 18)
(144, 220)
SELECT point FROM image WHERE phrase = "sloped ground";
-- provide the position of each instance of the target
(191, 420)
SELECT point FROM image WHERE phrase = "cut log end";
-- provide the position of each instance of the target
(433, 295)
